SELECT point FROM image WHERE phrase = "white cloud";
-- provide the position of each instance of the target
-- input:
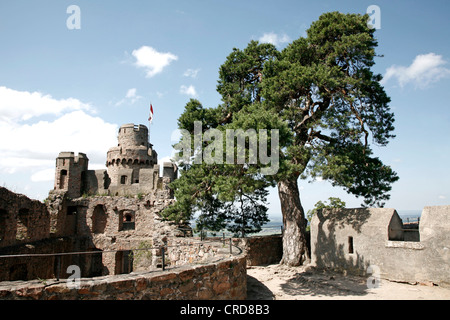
(131, 97)
(151, 60)
(442, 197)
(274, 38)
(43, 175)
(190, 91)
(23, 105)
(131, 93)
(191, 73)
(33, 145)
(30, 148)
(164, 159)
(424, 70)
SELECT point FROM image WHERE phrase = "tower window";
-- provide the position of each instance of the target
(123, 179)
(62, 179)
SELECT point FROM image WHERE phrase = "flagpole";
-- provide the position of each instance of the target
(150, 120)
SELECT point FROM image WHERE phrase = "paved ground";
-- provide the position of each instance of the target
(278, 282)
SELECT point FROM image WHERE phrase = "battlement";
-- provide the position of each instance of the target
(71, 155)
(135, 127)
(70, 172)
(131, 168)
(131, 135)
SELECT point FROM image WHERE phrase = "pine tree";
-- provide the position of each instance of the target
(321, 95)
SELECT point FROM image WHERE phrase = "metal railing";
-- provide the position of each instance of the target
(203, 233)
(163, 249)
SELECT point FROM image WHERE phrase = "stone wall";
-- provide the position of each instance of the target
(182, 251)
(22, 219)
(354, 239)
(226, 280)
(24, 268)
(262, 250)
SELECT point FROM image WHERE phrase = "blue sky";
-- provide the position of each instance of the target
(65, 89)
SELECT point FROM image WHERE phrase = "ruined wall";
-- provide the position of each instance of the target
(97, 224)
(22, 220)
(107, 223)
(353, 239)
(106, 213)
(262, 250)
(42, 267)
(225, 279)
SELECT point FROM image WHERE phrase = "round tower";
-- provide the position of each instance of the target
(133, 152)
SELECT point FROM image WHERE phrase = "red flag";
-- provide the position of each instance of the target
(150, 118)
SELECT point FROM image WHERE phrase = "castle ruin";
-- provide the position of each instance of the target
(107, 212)
(132, 168)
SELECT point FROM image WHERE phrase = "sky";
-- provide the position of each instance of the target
(72, 72)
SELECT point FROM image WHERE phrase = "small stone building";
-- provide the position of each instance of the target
(351, 240)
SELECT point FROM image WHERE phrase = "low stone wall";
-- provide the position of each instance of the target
(222, 280)
(262, 250)
(181, 251)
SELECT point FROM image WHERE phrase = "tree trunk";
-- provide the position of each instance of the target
(295, 248)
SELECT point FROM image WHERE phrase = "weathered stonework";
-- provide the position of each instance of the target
(351, 240)
(106, 212)
(22, 220)
(262, 250)
(132, 168)
(107, 223)
(225, 279)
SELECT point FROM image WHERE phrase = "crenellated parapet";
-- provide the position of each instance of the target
(70, 174)
(131, 168)
(132, 154)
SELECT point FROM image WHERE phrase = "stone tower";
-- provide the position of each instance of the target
(131, 169)
(132, 154)
(70, 173)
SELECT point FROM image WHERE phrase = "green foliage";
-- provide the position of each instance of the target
(143, 254)
(327, 104)
(334, 202)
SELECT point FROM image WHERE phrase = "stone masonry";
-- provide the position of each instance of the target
(351, 240)
(105, 213)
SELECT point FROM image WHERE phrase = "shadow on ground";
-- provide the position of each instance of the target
(256, 290)
(310, 284)
(305, 285)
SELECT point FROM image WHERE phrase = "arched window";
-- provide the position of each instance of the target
(99, 219)
(126, 220)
